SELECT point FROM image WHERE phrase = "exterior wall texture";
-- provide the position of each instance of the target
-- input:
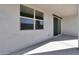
(12, 38)
(70, 25)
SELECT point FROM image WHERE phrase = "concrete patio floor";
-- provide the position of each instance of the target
(62, 45)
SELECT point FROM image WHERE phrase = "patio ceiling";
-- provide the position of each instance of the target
(59, 9)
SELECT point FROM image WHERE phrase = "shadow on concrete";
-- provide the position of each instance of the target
(71, 51)
(27, 49)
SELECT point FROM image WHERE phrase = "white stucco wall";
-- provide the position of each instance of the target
(78, 25)
(12, 38)
(70, 25)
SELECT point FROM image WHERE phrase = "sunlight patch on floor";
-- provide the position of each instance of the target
(56, 45)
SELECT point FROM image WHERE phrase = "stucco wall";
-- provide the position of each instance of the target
(12, 38)
(70, 25)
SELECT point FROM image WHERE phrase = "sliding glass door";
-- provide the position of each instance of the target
(57, 26)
